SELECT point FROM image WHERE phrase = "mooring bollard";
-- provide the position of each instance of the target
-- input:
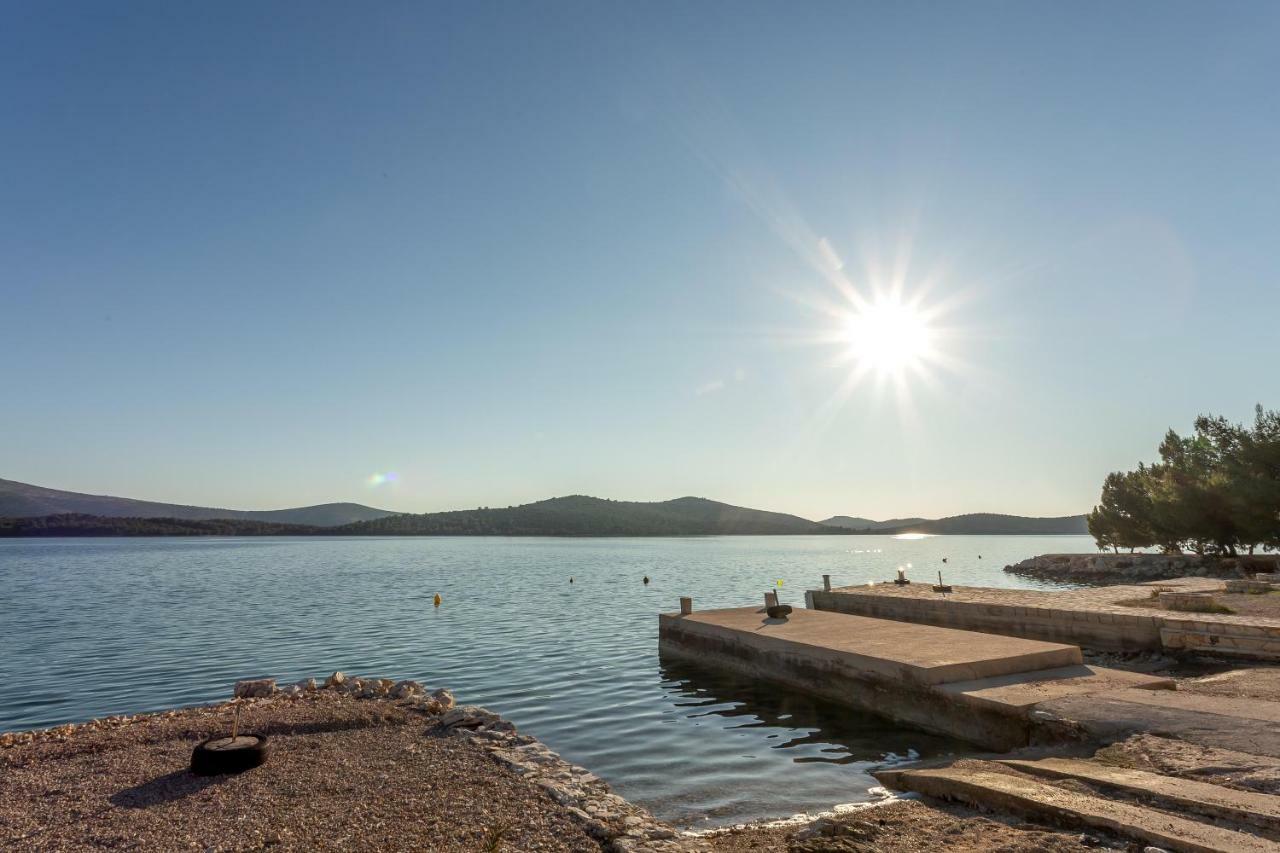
(826, 583)
(686, 605)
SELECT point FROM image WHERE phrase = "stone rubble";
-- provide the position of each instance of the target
(257, 688)
(1131, 568)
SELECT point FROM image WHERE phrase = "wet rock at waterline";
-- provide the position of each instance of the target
(256, 688)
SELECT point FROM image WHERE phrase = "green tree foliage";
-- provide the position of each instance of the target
(80, 524)
(1124, 518)
(1215, 491)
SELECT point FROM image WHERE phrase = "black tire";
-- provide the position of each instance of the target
(778, 611)
(219, 755)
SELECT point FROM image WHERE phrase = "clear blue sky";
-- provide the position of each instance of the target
(252, 254)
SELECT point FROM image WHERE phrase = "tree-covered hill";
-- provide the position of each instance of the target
(579, 515)
(867, 525)
(995, 524)
(79, 524)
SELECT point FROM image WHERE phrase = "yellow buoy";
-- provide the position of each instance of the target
(438, 599)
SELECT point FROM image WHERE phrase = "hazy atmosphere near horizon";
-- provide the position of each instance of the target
(820, 258)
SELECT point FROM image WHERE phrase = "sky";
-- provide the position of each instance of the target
(429, 256)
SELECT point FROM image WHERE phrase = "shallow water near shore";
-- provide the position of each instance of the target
(91, 627)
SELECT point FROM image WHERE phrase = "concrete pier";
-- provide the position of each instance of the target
(1095, 618)
(977, 687)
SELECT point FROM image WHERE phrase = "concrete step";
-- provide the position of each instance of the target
(1024, 690)
(1007, 792)
(1249, 807)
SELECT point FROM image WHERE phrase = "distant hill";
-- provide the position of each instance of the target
(854, 523)
(27, 510)
(993, 524)
(22, 500)
(579, 515)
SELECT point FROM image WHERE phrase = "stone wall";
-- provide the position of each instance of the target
(1104, 631)
(1136, 568)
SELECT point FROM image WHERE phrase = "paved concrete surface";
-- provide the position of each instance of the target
(1248, 726)
(1225, 706)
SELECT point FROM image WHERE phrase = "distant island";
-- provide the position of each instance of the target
(971, 524)
(34, 511)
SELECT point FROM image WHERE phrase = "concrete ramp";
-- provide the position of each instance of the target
(1188, 795)
(1014, 794)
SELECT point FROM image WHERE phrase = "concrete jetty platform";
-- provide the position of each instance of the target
(1101, 618)
(974, 686)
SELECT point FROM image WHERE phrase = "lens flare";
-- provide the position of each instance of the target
(376, 480)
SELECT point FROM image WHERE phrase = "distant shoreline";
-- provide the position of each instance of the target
(97, 527)
(577, 516)
(29, 510)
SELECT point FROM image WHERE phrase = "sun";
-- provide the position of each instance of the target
(888, 337)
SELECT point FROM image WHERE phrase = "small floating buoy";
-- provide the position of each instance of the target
(438, 599)
(646, 580)
(570, 580)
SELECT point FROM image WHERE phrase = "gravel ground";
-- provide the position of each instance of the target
(905, 826)
(343, 774)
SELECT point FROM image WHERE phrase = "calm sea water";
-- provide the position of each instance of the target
(90, 627)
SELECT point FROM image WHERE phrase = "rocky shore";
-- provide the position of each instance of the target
(1138, 568)
(377, 764)
(355, 763)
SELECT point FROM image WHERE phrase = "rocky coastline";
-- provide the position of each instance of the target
(379, 764)
(621, 826)
(1140, 567)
